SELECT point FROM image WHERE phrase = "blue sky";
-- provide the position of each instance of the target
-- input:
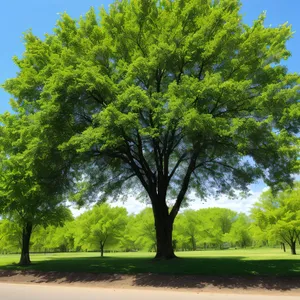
(17, 16)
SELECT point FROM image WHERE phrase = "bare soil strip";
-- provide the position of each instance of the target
(240, 285)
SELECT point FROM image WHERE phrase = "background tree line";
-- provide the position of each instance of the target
(273, 221)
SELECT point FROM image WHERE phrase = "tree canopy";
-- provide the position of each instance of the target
(101, 226)
(165, 97)
(280, 215)
(32, 177)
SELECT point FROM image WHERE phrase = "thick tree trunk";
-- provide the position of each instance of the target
(293, 247)
(26, 234)
(164, 230)
(164, 240)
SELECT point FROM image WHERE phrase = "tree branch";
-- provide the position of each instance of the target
(185, 185)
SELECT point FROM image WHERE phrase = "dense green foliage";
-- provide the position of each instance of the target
(279, 216)
(206, 226)
(99, 227)
(140, 232)
(33, 174)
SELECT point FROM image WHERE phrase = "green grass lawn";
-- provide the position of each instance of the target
(263, 262)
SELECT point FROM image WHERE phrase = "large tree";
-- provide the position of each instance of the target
(166, 97)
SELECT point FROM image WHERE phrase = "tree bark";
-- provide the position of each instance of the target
(164, 239)
(283, 247)
(164, 230)
(293, 247)
(26, 234)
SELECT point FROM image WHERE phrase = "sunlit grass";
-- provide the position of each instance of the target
(265, 262)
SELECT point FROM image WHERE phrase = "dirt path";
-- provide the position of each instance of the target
(207, 284)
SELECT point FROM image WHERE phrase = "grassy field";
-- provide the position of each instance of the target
(262, 262)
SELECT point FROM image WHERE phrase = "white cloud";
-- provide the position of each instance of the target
(265, 189)
(76, 212)
(240, 205)
(132, 205)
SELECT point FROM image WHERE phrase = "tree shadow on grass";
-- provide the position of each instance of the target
(231, 282)
(195, 272)
(59, 277)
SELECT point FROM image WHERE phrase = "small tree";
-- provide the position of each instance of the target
(282, 212)
(101, 226)
(259, 234)
(128, 242)
(62, 238)
(144, 230)
(216, 223)
(187, 228)
(239, 234)
(140, 232)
